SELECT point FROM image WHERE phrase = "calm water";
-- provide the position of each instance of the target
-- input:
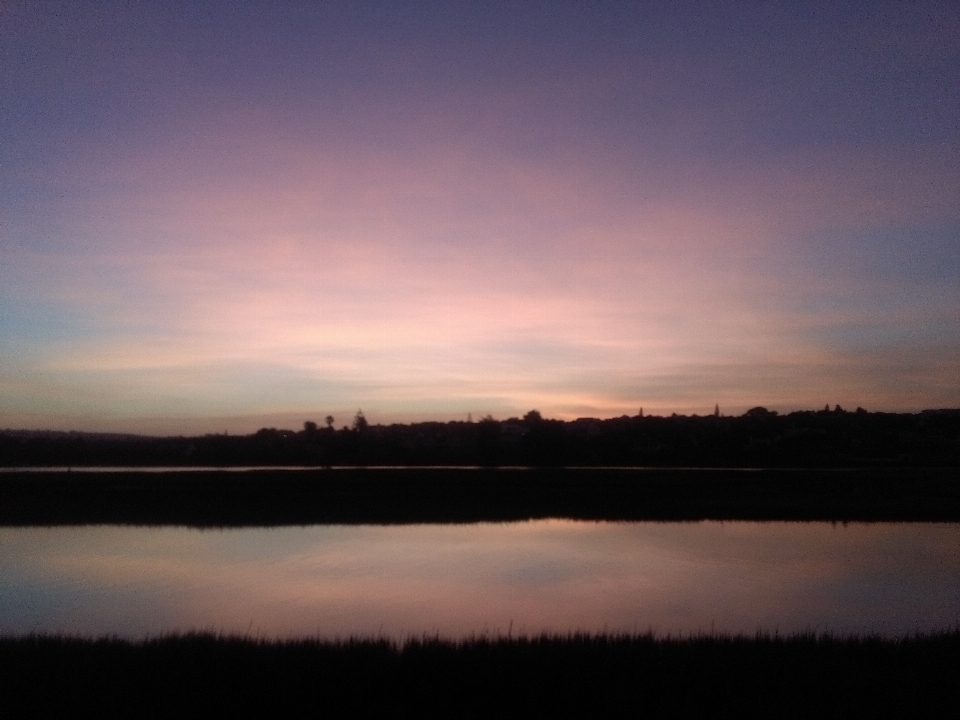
(457, 580)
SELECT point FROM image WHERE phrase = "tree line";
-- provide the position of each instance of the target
(758, 438)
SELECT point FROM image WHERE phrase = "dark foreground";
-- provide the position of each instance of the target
(419, 495)
(207, 676)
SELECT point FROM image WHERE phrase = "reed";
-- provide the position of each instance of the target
(587, 675)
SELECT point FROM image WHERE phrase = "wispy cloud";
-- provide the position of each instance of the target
(666, 225)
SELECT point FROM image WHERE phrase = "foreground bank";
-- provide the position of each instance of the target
(206, 676)
(444, 495)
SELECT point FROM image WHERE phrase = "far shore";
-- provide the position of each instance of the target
(275, 496)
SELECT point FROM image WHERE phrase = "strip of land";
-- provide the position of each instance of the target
(577, 676)
(758, 439)
(445, 495)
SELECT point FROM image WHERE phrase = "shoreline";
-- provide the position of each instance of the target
(276, 497)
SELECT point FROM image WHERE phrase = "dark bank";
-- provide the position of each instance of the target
(452, 495)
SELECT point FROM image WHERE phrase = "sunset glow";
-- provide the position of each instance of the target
(225, 216)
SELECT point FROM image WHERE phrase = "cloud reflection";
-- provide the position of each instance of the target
(542, 576)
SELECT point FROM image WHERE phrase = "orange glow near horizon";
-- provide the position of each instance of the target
(483, 232)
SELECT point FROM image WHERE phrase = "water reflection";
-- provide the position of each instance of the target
(457, 580)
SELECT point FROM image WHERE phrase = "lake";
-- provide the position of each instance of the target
(554, 576)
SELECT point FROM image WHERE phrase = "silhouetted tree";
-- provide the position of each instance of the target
(359, 421)
(488, 440)
(761, 437)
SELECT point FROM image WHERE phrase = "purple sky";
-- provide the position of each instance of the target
(230, 215)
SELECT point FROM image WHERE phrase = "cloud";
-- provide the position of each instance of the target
(703, 220)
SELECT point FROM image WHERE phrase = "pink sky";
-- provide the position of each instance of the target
(423, 237)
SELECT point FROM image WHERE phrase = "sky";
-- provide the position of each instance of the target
(220, 216)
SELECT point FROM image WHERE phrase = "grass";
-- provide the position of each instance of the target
(202, 675)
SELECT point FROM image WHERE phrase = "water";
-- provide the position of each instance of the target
(554, 576)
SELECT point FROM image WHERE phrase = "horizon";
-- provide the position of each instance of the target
(222, 217)
(251, 426)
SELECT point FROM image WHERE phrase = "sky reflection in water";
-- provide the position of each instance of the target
(456, 580)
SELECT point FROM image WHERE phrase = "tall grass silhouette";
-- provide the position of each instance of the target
(587, 675)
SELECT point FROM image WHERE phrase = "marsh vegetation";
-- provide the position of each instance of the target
(579, 675)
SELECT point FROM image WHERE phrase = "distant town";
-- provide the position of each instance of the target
(827, 438)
